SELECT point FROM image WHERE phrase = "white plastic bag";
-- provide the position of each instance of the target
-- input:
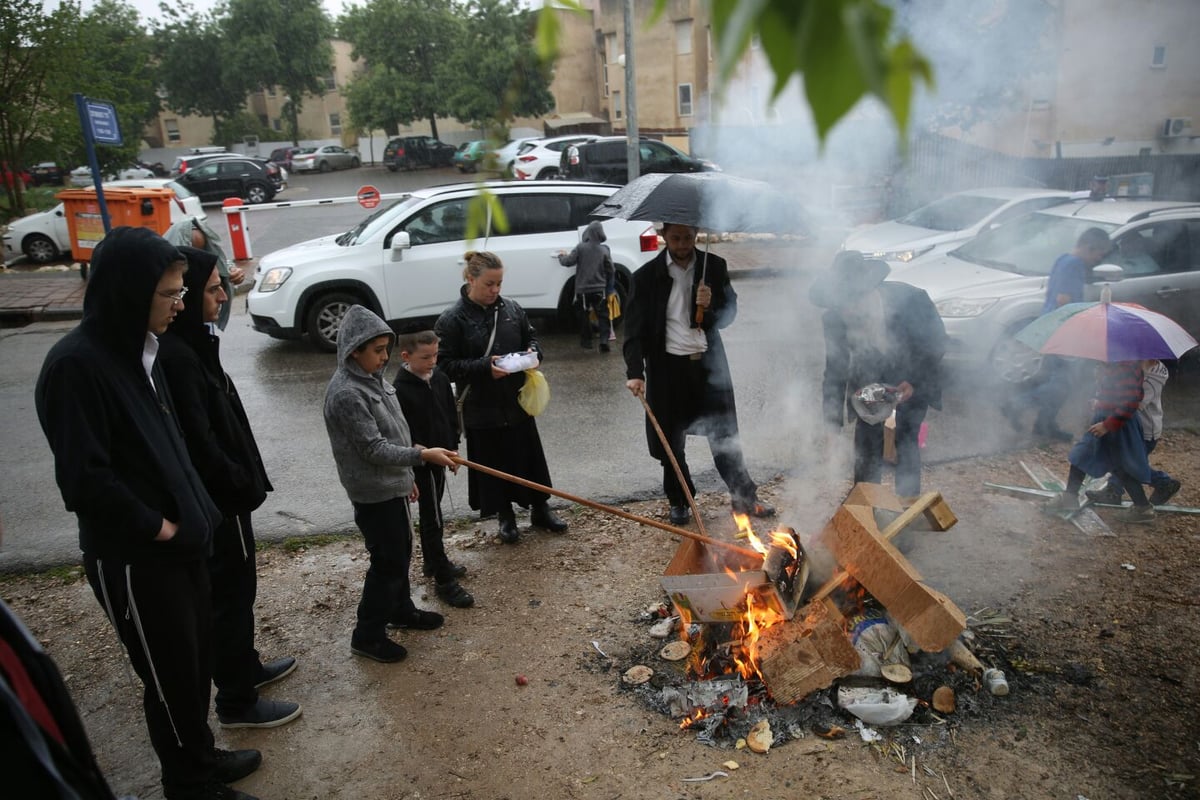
(517, 362)
(876, 706)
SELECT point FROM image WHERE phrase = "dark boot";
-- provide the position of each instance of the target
(543, 517)
(508, 526)
(454, 594)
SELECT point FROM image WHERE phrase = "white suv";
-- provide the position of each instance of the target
(539, 159)
(405, 260)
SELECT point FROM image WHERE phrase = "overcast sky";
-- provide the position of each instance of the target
(149, 8)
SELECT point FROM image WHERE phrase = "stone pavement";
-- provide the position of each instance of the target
(48, 294)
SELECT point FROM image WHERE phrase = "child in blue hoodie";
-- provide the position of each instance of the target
(375, 457)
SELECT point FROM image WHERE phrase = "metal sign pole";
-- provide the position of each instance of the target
(631, 125)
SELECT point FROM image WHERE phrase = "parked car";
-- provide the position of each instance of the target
(283, 156)
(410, 152)
(43, 237)
(82, 176)
(324, 158)
(254, 180)
(469, 155)
(946, 223)
(11, 177)
(993, 285)
(184, 163)
(404, 261)
(540, 159)
(606, 161)
(506, 155)
(47, 173)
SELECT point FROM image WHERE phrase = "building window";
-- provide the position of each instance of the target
(1159, 59)
(1143, 152)
(605, 68)
(617, 108)
(270, 91)
(172, 126)
(330, 83)
(277, 124)
(708, 40)
(335, 123)
(685, 99)
(610, 48)
(683, 37)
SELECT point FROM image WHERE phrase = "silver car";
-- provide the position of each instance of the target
(323, 159)
(946, 223)
(992, 286)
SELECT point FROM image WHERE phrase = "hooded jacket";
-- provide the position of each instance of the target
(592, 261)
(119, 459)
(368, 434)
(428, 407)
(215, 427)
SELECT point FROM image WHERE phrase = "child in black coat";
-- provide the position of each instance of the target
(427, 399)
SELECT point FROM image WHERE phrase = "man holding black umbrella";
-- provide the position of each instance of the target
(674, 357)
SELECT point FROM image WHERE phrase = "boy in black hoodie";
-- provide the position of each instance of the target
(145, 519)
(427, 400)
(224, 453)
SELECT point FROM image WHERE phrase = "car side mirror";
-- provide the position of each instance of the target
(1108, 273)
(400, 242)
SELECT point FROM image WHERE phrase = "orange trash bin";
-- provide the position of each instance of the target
(138, 208)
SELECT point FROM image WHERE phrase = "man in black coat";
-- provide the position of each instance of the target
(674, 356)
(145, 519)
(879, 332)
(223, 451)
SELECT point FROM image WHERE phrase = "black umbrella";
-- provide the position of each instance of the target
(713, 201)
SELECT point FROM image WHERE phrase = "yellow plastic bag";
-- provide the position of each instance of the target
(614, 306)
(535, 394)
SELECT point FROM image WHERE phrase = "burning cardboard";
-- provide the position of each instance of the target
(810, 654)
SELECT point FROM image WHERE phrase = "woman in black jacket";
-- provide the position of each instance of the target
(477, 330)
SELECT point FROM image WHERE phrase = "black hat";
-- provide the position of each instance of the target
(851, 276)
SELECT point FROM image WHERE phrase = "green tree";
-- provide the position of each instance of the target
(194, 71)
(501, 74)
(280, 43)
(407, 46)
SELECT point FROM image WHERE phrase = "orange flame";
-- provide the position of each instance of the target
(693, 718)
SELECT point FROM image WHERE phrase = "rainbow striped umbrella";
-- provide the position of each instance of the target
(1107, 331)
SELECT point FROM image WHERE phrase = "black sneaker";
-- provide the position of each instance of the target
(1164, 492)
(453, 593)
(754, 509)
(680, 515)
(509, 532)
(263, 714)
(418, 620)
(276, 670)
(233, 765)
(384, 651)
(445, 572)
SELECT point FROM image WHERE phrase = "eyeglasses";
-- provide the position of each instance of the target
(174, 298)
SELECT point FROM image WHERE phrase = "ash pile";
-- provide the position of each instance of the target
(751, 652)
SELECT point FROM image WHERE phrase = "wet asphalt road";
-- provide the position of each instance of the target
(592, 431)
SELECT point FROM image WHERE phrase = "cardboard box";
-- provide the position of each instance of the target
(806, 655)
(710, 585)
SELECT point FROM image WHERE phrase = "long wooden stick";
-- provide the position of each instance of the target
(662, 437)
(583, 501)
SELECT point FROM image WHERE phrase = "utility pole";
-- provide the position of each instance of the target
(631, 128)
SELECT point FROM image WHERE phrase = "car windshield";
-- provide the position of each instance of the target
(304, 150)
(952, 213)
(367, 227)
(1028, 245)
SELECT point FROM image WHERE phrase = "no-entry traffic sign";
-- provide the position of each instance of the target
(368, 196)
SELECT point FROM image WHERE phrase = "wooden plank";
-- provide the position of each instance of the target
(1026, 491)
(1085, 519)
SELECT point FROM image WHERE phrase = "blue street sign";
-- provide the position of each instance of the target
(102, 118)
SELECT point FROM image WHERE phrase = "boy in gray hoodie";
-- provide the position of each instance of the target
(375, 455)
(594, 273)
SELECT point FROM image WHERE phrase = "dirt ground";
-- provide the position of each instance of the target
(1098, 637)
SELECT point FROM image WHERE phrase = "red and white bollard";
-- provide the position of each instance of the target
(239, 237)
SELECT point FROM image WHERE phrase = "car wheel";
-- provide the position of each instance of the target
(324, 167)
(391, 166)
(325, 317)
(257, 193)
(1012, 362)
(548, 174)
(354, 163)
(39, 249)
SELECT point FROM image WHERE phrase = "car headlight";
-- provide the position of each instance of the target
(962, 307)
(906, 255)
(274, 278)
